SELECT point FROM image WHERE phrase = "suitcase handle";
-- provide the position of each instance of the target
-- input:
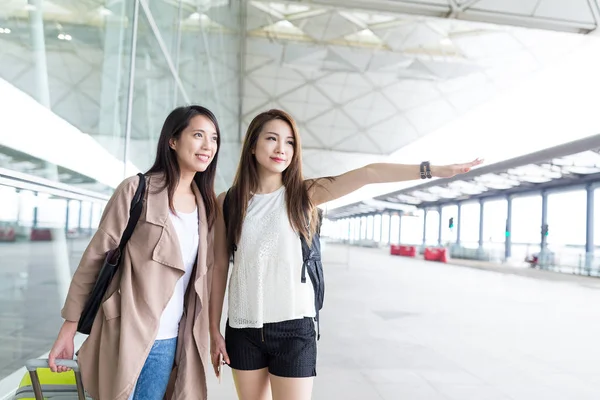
(34, 364)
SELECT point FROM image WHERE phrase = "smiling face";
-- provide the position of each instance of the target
(196, 146)
(274, 149)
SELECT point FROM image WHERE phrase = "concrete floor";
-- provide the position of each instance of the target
(395, 328)
(392, 328)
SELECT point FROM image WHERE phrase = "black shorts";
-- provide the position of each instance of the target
(288, 348)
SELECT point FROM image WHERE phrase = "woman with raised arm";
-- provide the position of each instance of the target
(271, 213)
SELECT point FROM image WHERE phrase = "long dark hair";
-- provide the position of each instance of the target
(166, 159)
(246, 182)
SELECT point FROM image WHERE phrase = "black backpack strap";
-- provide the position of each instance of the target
(318, 326)
(305, 250)
(226, 218)
(135, 210)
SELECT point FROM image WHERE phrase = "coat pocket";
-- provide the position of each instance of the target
(112, 306)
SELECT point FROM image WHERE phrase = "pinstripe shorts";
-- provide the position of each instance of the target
(288, 349)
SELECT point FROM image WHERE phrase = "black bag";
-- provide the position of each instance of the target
(112, 260)
(311, 257)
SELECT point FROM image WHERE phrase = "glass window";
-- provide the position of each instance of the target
(432, 228)
(449, 231)
(494, 223)
(469, 224)
(411, 228)
(377, 226)
(65, 81)
(385, 229)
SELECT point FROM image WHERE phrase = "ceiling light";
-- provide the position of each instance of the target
(104, 11)
(195, 16)
(5, 30)
(285, 24)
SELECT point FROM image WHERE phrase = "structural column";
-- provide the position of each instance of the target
(424, 227)
(360, 226)
(115, 31)
(481, 215)
(67, 216)
(91, 227)
(80, 220)
(544, 238)
(439, 210)
(35, 210)
(38, 41)
(458, 222)
(508, 233)
(589, 228)
(389, 238)
(349, 226)
(400, 227)
(372, 227)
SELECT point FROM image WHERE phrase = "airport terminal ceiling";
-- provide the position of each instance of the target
(362, 82)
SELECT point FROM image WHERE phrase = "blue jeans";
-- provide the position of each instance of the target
(153, 380)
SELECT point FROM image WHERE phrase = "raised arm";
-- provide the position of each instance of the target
(219, 284)
(325, 190)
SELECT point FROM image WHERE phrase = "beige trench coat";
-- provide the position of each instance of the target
(124, 330)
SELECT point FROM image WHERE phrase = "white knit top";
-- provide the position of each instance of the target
(265, 284)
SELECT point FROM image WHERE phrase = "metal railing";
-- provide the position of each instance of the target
(566, 259)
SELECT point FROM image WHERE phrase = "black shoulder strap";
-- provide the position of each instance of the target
(226, 208)
(226, 202)
(135, 210)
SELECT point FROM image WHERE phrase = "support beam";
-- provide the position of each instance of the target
(400, 228)
(544, 238)
(91, 226)
(424, 227)
(458, 222)
(67, 216)
(440, 226)
(589, 228)
(389, 236)
(508, 230)
(481, 215)
(460, 13)
(35, 210)
(130, 88)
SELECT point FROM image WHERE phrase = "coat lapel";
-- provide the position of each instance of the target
(167, 250)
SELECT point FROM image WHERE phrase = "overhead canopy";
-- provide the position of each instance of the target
(578, 16)
(570, 164)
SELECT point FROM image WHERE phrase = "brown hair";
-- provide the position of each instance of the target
(246, 181)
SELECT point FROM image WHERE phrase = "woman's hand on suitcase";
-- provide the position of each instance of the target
(64, 346)
(217, 348)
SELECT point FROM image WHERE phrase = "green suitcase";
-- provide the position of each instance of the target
(40, 383)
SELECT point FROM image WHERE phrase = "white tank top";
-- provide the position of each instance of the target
(186, 226)
(265, 284)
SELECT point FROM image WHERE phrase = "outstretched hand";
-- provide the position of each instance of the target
(448, 171)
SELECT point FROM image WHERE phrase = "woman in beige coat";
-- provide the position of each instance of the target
(151, 332)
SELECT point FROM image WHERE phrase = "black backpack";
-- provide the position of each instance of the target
(311, 256)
